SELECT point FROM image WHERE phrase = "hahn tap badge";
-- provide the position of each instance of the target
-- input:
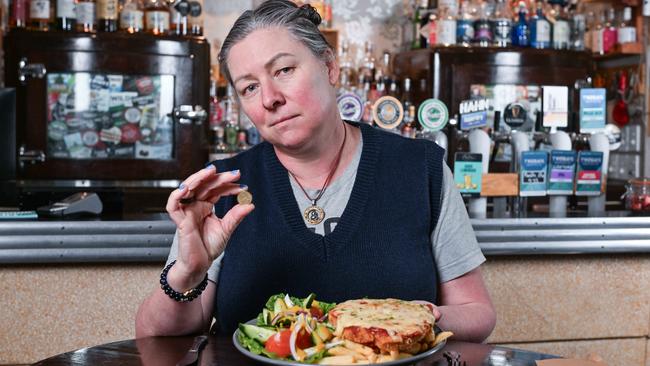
(388, 112)
(433, 115)
(473, 113)
(350, 107)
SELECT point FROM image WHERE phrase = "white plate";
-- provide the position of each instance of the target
(271, 361)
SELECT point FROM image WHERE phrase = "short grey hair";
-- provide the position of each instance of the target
(301, 22)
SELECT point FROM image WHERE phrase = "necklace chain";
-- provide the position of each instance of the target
(331, 174)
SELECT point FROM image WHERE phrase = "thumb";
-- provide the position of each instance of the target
(234, 216)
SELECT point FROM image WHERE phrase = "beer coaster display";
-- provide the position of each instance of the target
(533, 173)
(562, 171)
(350, 107)
(101, 116)
(388, 112)
(433, 115)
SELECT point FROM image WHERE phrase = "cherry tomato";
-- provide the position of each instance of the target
(279, 343)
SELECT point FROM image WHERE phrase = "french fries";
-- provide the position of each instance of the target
(352, 353)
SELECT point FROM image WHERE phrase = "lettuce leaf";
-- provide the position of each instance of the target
(255, 346)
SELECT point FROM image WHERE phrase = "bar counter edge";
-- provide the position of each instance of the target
(149, 239)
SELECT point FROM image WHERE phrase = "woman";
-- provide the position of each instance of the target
(341, 209)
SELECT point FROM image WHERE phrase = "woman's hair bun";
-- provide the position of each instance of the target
(309, 12)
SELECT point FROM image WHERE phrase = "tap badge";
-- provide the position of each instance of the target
(433, 115)
(515, 115)
(388, 112)
(350, 107)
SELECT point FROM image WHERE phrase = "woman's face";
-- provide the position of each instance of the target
(285, 90)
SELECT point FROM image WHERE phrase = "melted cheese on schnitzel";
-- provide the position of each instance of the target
(398, 318)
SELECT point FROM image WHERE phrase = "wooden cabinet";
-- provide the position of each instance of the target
(100, 110)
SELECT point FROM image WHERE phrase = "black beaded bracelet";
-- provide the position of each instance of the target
(186, 296)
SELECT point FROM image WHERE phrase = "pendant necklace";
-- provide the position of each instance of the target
(315, 214)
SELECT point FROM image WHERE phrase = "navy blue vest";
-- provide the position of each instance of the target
(381, 247)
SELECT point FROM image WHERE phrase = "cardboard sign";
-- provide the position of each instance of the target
(555, 106)
(468, 172)
(593, 110)
(473, 113)
(561, 172)
(589, 175)
(532, 175)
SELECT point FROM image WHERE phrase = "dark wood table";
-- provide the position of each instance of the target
(162, 351)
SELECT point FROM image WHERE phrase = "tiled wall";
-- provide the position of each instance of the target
(573, 306)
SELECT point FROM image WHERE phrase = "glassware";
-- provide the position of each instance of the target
(637, 196)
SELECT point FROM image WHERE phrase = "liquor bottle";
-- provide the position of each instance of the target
(451, 5)
(368, 68)
(521, 33)
(446, 27)
(590, 19)
(502, 24)
(384, 70)
(433, 28)
(242, 141)
(407, 97)
(327, 19)
(409, 127)
(597, 35)
(18, 13)
(40, 14)
(195, 19)
(179, 12)
(465, 24)
(107, 12)
(540, 28)
(561, 29)
(626, 32)
(483, 36)
(231, 128)
(610, 32)
(66, 16)
(578, 28)
(132, 16)
(85, 15)
(215, 116)
(346, 76)
(420, 14)
(218, 148)
(156, 17)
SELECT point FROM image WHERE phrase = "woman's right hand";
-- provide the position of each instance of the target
(202, 236)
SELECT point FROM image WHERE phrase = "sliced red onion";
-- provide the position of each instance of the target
(294, 335)
(333, 344)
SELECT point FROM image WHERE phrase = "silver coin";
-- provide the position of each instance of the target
(244, 198)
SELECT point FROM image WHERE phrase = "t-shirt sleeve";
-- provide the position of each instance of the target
(213, 271)
(455, 249)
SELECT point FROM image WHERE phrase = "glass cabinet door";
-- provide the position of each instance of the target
(102, 109)
(109, 116)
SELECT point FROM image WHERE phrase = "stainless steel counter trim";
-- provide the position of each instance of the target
(149, 240)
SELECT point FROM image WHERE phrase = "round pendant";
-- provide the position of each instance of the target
(314, 215)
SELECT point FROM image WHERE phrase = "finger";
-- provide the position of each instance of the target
(200, 190)
(214, 195)
(234, 217)
(173, 206)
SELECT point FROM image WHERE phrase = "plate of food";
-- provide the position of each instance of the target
(305, 331)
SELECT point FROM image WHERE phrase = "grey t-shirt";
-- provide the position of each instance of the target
(455, 248)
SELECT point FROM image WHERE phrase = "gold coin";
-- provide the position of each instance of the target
(244, 197)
